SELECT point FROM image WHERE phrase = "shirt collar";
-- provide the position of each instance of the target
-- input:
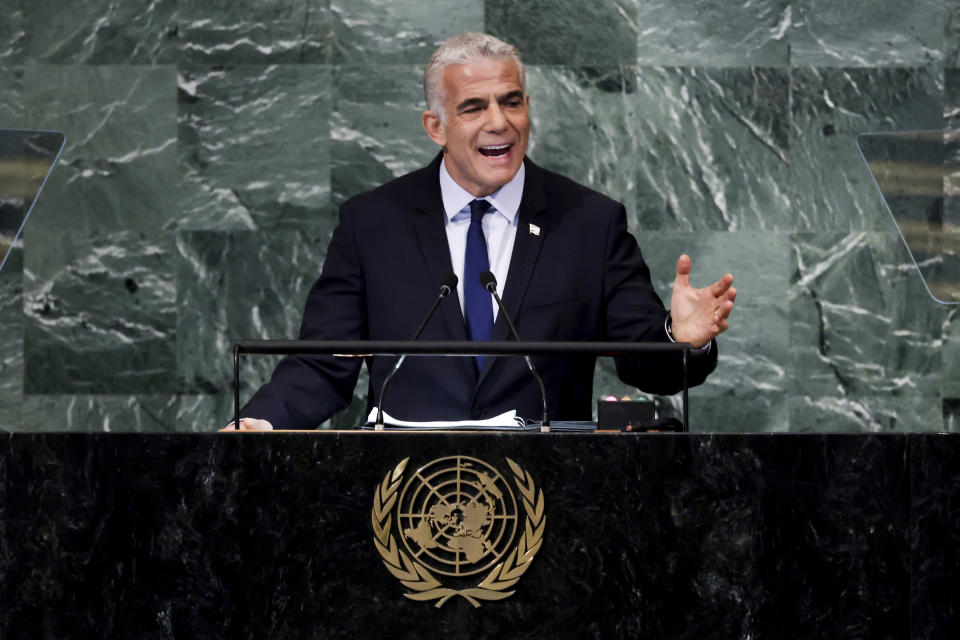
(505, 200)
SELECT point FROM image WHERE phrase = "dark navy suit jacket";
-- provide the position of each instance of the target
(581, 278)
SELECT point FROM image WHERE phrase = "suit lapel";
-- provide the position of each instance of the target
(429, 228)
(531, 231)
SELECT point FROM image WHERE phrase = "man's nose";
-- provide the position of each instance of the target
(496, 121)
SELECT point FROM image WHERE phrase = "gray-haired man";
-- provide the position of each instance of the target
(565, 264)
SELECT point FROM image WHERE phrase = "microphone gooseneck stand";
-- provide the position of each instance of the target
(489, 282)
(448, 285)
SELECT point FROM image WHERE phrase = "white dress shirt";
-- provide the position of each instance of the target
(499, 227)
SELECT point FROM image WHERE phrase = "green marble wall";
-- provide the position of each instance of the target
(209, 144)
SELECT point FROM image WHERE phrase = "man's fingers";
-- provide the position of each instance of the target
(683, 272)
(721, 286)
(250, 424)
(255, 424)
(726, 306)
(722, 312)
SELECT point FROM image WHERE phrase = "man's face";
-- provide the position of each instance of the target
(487, 124)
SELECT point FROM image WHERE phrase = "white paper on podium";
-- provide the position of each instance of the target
(507, 420)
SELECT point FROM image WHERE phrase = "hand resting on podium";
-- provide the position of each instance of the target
(249, 424)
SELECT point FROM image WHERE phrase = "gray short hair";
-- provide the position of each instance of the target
(459, 50)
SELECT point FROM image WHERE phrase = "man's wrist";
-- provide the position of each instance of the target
(696, 351)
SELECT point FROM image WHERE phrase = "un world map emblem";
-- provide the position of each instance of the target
(454, 527)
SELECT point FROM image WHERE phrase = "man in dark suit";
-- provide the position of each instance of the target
(566, 266)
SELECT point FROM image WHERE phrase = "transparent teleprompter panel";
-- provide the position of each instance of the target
(26, 159)
(918, 175)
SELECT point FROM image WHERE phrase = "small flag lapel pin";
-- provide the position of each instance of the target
(535, 230)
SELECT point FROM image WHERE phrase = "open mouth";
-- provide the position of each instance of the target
(496, 151)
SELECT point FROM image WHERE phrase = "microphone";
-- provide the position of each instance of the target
(489, 282)
(446, 287)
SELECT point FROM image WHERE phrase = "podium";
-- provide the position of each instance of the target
(644, 535)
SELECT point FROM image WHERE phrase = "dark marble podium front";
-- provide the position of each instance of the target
(648, 536)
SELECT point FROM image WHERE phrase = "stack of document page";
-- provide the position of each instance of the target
(508, 421)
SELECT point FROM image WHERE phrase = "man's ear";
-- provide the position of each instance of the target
(434, 128)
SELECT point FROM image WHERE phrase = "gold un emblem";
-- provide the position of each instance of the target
(454, 522)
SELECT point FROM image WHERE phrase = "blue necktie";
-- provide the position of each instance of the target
(476, 300)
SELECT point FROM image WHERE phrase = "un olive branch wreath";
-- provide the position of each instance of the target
(418, 578)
